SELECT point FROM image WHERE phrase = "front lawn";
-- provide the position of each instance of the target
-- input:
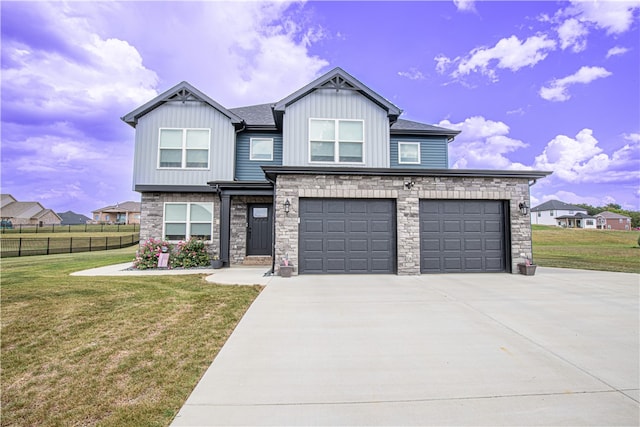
(108, 351)
(605, 250)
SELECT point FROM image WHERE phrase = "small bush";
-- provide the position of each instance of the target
(189, 254)
(192, 253)
(147, 255)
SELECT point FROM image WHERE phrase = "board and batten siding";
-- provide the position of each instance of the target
(187, 115)
(249, 170)
(329, 104)
(433, 152)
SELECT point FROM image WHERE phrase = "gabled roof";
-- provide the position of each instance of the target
(182, 92)
(553, 205)
(121, 207)
(612, 215)
(336, 79)
(72, 218)
(5, 199)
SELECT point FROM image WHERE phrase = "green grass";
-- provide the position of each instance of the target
(604, 250)
(106, 351)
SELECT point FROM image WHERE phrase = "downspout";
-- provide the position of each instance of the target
(273, 231)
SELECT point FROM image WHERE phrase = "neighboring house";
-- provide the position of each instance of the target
(579, 220)
(329, 178)
(26, 213)
(72, 218)
(612, 221)
(120, 213)
(549, 213)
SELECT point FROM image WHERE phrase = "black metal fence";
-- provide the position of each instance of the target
(24, 246)
(82, 228)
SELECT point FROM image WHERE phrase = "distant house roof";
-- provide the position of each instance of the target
(612, 215)
(121, 207)
(10, 208)
(72, 218)
(554, 205)
(579, 215)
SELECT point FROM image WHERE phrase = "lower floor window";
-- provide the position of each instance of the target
(188, 220)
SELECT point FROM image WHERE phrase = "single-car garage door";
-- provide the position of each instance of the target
(354, 236)
(462, 236)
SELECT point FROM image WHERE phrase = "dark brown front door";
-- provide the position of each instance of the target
(260, 229)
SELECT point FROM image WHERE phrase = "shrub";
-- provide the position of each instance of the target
(147, 255)
(192, 253)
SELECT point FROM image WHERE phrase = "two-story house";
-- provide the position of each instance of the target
(561, 214)
(329, 178)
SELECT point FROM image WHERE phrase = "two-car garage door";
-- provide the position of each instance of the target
(343, 236)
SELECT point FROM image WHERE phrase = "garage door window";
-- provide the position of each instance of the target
(336, 141)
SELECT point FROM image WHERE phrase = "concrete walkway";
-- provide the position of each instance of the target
(558, 348)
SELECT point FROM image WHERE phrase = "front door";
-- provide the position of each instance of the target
(259, 229)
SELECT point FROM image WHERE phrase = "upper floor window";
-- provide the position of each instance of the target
(184, 148)
(409, 152)
(336, 141)
(261, 149)
(185, 220)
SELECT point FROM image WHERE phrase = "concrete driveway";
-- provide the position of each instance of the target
(558, 348)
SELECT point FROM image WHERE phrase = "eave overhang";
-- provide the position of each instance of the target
(242, 188)
(272, 172)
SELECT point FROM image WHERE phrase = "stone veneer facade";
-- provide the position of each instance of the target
(294, 187)
(152, 211)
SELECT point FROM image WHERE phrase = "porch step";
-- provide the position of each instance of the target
(257, 260)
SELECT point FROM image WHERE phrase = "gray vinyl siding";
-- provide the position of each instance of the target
(187, 115)
(433, 152)
(329, 104)
(249, 170)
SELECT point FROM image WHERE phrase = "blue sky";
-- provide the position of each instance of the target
(531, 85)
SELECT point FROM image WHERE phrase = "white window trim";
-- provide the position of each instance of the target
(400, 162)
(251, 150)
(187, 221)
(336, 146)
(184, 149)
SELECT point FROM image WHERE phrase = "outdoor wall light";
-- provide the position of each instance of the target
(287, 206)
(524, 208)
(409, 185)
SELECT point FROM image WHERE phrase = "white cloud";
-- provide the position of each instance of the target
(615, 17)
(581, 159)
(482, 144)
(573, 34)
(558, 89)
(412, 74)
(617, 50)
(465, 5)
(442, 63)
(509, 53)
(633, 137)
(573, 198)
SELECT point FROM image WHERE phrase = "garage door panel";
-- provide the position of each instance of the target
(472, 245)
(358, 235)
(313, 245)
(358, 226)
(462, 236)
(452, 226)
(380, 226)
(335, 245)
